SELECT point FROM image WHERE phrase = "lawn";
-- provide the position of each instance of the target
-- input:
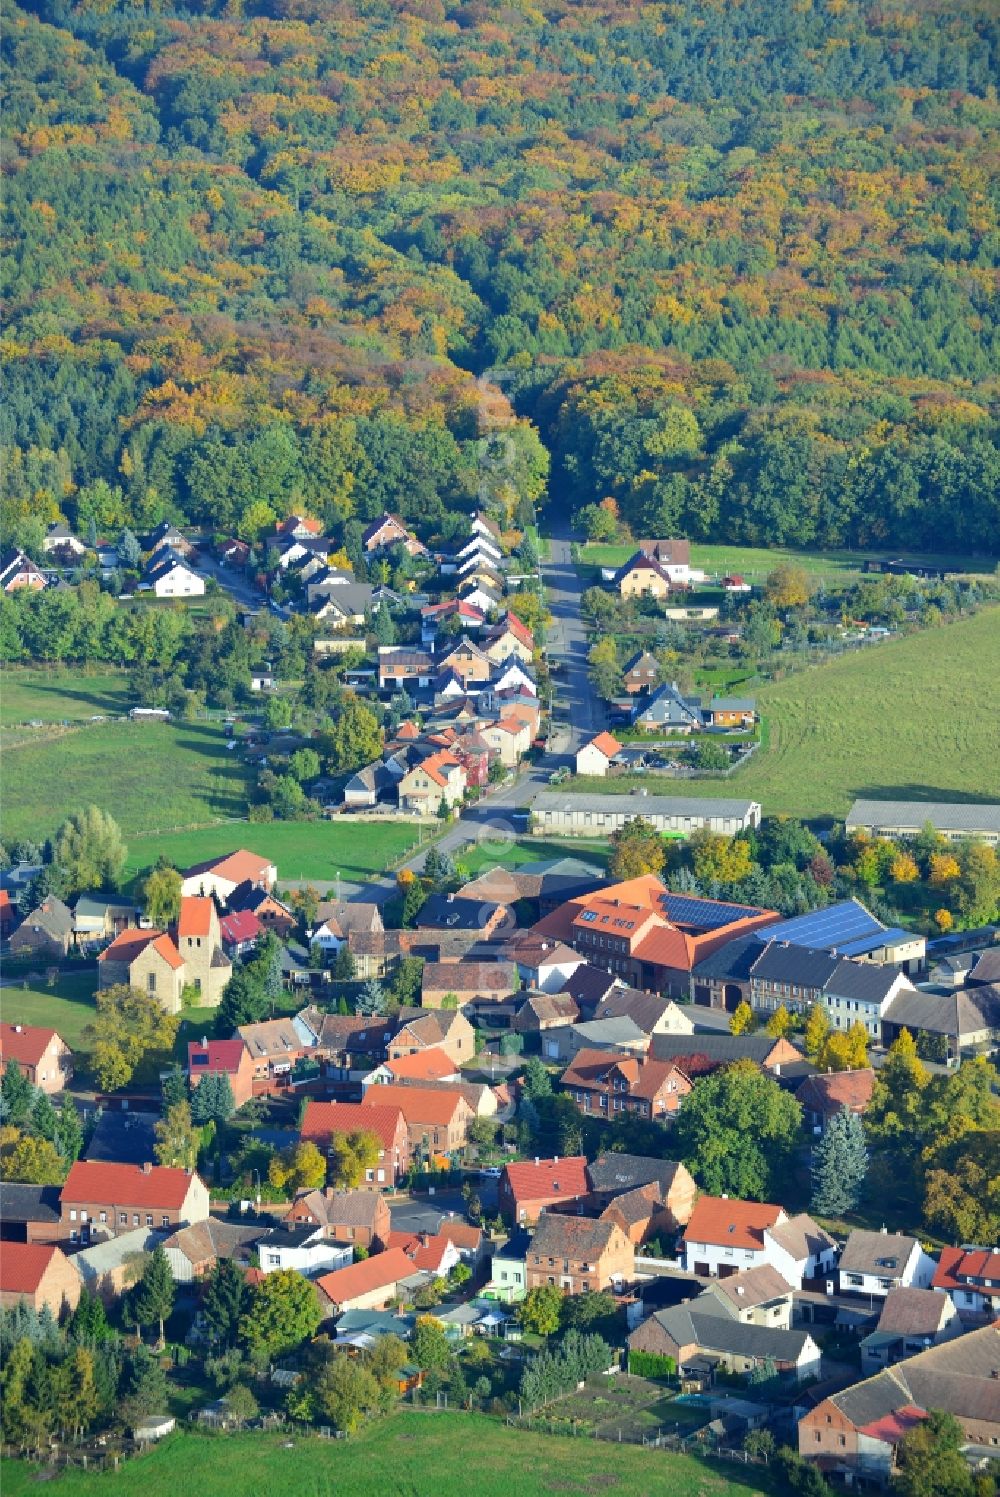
(299, 849)
(67, 1006)
(37, 694)
(910, 719)
(754, 563)
(407, 1455)
(494, 852)
(148, 775)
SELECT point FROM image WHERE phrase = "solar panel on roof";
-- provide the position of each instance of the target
(707, 914)
(837, 925)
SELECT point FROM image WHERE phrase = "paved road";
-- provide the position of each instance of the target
(578, 713)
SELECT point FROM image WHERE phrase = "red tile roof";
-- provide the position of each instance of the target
(381, 1271)
(957, 1265)
(423, 1251)
(417, 1103)
(322, 1119)
(24, 1042)
(827, 1094)
(725, 1223)
(425, 1065)
(892, 1427)
(132, 943)
(23, 1266)
(241, 925)
(462, 1234)
(196, 915)
(126, 1185)
(220, 1055)
(549, 1179)
(606, 744)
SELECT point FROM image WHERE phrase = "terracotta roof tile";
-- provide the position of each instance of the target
(606, 744)
(957, 1265)
(127, 1185)
(549, 1179)
(195, 918)
(237, 867)
(24, 1042)
(23, 1266)
(739, 1224)
(323, 1119)
(418, 1104)
(381, 1271)
(217, 1055)
(425, 1065)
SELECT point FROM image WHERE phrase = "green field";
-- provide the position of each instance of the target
(910, 719)
(148, 775)
(491, 853)
(755, 562)
(37, 694)
(407, 1455)
(67, 1006)
(300, 849)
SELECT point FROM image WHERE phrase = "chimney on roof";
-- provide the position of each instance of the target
(147, 1168)
(537, 1160)
(884, 1230)
(17, 1028)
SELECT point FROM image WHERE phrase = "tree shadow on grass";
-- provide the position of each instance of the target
(926, 793)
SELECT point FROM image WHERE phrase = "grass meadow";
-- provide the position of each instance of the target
(55, 694)
(909, 719)
(755, 562)
(407, 1455)
(299, 849)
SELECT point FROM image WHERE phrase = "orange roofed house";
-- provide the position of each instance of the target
(40, 1274)
(104, 1200)
(323, 1119)
(220, 876)
(437, 1120)
(147, 960)
(596, 755)
(648, 936)
(370, 1284)
(603, 1084)
(527, 1189)
(40, 1055)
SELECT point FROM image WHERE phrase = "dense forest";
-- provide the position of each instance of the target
(733, 264)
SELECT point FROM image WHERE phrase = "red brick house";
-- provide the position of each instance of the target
(323, 1119)
(527, 1189)
(437, 1120)
(40, 1055)
(222, 1057)
(105, 1200)
(581, 1256)
(40, 1275)
(605, 1084)
(360, 1217)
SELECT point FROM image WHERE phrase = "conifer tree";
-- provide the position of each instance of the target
(840, 1163)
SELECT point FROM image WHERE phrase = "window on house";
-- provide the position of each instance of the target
(164, 1221)
(72, 1215)
(150, 982)
(135, 1219)
(123, 1218)
(149, 1218)
(104, 1216)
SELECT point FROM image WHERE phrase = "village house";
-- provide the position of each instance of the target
(439, 777)
(437, 1119)
(971, 1276)
(168, 575)
(148, 961)
(274, 1045)
(96, 919)
(429, 1252)
(757, 1296)
(18, 572)
(649, 937)
(304, 1249)
(229, 1058)
(620, 1036)
(911, 1320)
(872, 1263)
(612, 1175)
(607, 1085)
(297, 527)
(38, 1275)
(359, 1218)
(595, 756)
(544, 1011)
(107, 1266)
(848, 929)
(106, 1200)
(272, 913)
(643, 577)
(700, 1054)
(724, 1236)
(653, 1013)
(579, 1255)
(527, 1189)
(965, 1021)
(322, 1120)
(41, 1055)
(451, 912)
(404, 669)
(703, 1330)
(543, 964)
(859, 1429)
(199, 940)
(507, 637)
(420, 1068)
(419, 1029)
(369, 1285)
(239, 932)
(221, 876)
(509, 738)
(29, 1213)
(641, 673)
(389, 531)
(46, 932)
(466, 981)
(822, 1097)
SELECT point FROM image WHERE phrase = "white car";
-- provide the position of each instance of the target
(491, 1172)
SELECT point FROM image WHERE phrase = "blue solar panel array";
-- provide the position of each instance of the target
(706, 914)
(838, 925)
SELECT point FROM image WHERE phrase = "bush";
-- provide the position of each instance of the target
(650, 1364)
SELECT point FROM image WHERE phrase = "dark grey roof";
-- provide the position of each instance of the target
(944, 816)
(51, 916)
(871, 1400)
(28, 1203)
(289, 1237)
(558, 1236)
(717, 1047)
(123, 1138)
(884, 1253)
(966, 1011)
(588, 985)
(644, 1009)
(444, 912)
(713, 1330)
(622, 1172)
(795, 964)
(870, 982)
(732, 961)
